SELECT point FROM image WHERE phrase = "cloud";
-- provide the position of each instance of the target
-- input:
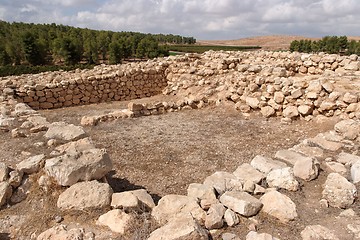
(203, 19)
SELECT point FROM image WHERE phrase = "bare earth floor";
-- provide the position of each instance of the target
(165, 153)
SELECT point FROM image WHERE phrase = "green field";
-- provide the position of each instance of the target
(204, 48)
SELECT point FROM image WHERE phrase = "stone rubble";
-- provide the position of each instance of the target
(276, 84)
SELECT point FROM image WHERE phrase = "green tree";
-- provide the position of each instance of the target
(33, 53)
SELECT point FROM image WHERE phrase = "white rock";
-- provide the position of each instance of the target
(335, 167)
(135, 200)
(308, 151)
(5, 192)
(350, 129)
(246, 172)
(69, 169)
(289, 156)
(177, 206)
(223, 181)
(252, 102)
(74, 147)
(265, 165)
(65, 132)
(31, 165)
(182, 228)
(85, 195)
(214, 216)
(61, 232)
(320, 141)
(117, 220)
(279, 97)
(306, 169)
(355, 172)
(350, 98)
(338, 191)
(204, 193)
(241, 202)
(318, 232)
(15, 178)
(347, 158)
(279, 206)
(259, 236)
(229, 236)
(267, 111)
(21, 109)
(290, 112)
(282, 178)
(305, 110)
(231, 218)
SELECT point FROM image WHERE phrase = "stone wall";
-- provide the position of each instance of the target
(231, 76)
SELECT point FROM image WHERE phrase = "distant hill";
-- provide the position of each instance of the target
(275, 42)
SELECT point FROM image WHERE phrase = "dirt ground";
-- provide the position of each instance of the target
(165, 153)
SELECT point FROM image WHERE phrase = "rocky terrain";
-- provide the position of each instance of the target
(58, 182)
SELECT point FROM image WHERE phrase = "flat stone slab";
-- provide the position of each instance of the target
(241, 202)
(290, 157)
(246, 172)
(65, 132)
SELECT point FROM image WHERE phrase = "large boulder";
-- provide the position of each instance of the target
(184, 228)
(338, 191)
(214, 217)
(279, 206)
(307, 169)
(65, 132)
(85, 195)
(350, 129)
(241, 202)
(177, 206)
(69, 169)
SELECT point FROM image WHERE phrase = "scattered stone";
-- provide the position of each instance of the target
(231, 219)
(306, 169)
(21, 109)
(348, 213)
(241, 202)
(65, 132)
(223, 181)
(68, 169)
(321, 142)
(182, 228)
(61, 232)
(265, 165)
(252, 102)
(318, 232)
(135, 200)
(289, 156)
(15, 178)
(204, 193)
(4, 171)
(177, 206)
(31, 165)
(259, 236)
(229, 236)
(355, 229)
(347, 158)
(282, 178)
(5, 192)
(338, 191)
(267, 111)
(350, 129)
(290, 112)
(307, 150)
(84, 195)
(117, 220)
(279, 206)
(246, 172)
(335, 167)
(17, 133)
(214, 216)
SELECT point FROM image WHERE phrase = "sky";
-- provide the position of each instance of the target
(202, 19)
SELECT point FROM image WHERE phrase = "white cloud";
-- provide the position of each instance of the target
(203, 19)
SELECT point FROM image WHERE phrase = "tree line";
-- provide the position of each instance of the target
(52, 44)
(328, 44)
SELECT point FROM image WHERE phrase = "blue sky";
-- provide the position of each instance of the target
(202, 19)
